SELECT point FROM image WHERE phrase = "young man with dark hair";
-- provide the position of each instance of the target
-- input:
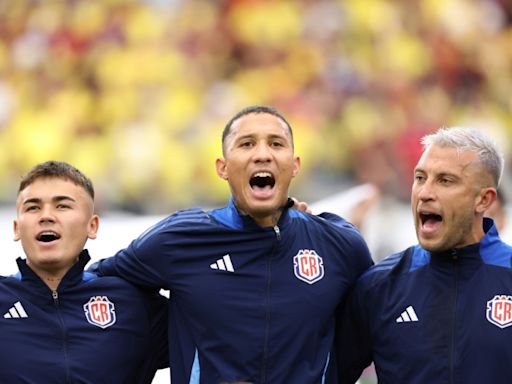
(254, 285)
(60, 324)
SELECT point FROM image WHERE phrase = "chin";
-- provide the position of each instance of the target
(266, 208)
(426, 244)
(49, 260)
(432, 247)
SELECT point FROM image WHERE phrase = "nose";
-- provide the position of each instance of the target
(47, 215)
(425, 192)
(262, 152)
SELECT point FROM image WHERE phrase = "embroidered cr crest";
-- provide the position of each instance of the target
(499, 311)
(100, 311)
(308, 266)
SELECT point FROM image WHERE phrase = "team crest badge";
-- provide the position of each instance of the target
(499, 311)
(308, 266)
(100, 311)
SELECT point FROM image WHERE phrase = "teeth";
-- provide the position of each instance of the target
(48, 233)
(48, 236)
(263, 174)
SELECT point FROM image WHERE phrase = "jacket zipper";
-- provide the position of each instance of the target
(277, 232)
(55, 296)
(454, 315)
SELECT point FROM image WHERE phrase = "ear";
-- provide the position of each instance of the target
(94, 224)
(15, 226)
(485, 198)
(296, 166)
(220, 165)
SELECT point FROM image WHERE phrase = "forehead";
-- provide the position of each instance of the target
(443, 159)
(255, 124)
(45, 187)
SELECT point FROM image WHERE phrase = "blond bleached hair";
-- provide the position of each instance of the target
(470, 139)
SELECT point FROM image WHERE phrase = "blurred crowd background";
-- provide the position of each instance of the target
(136, 93)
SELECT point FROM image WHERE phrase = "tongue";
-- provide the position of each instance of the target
(262, 192)
(431, 225)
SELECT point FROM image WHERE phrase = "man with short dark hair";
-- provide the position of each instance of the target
(58, 323)
(254, 285)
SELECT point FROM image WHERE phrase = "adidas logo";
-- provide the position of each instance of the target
(223, 264)
(16, 312)
(407, 316)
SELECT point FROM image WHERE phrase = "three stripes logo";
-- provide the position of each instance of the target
(223, 264)
(407, 316)
(16, 312)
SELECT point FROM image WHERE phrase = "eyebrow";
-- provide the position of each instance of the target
(437, 174)
(55, 199)
(247, 136)
(253, 135)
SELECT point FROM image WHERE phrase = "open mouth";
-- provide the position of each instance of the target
(262, 180)
(430, 219)
(48, 236)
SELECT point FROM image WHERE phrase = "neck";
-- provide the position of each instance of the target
(263, 220)
(51, 282)
(268, 221)
(51, 277)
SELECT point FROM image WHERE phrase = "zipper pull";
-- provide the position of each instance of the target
(55, 296)
(278, 232)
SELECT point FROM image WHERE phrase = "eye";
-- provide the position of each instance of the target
(63, 206)
(31, 208)
(246, 144)
(277, 144)
(419, 178)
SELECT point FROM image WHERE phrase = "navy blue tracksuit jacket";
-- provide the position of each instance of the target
(424, 318)
(89, 331)
(247, 303)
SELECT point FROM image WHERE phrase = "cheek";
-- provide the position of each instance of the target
(77, 225)
(19, 234)
(234, 170)
(21, 229)
(288, 165)
(463, 202)
(460, 208)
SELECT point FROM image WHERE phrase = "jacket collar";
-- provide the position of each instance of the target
(472, 250)
(71, 278)
(232, 218)
(490, 250)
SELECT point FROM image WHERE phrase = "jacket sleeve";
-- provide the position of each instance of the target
(353, 352)
(351, 349)
(143, 262)
(360, 259)
(158, 312)
(157, 350)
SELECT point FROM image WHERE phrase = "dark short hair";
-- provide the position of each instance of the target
(57, 169)
(254, 109)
